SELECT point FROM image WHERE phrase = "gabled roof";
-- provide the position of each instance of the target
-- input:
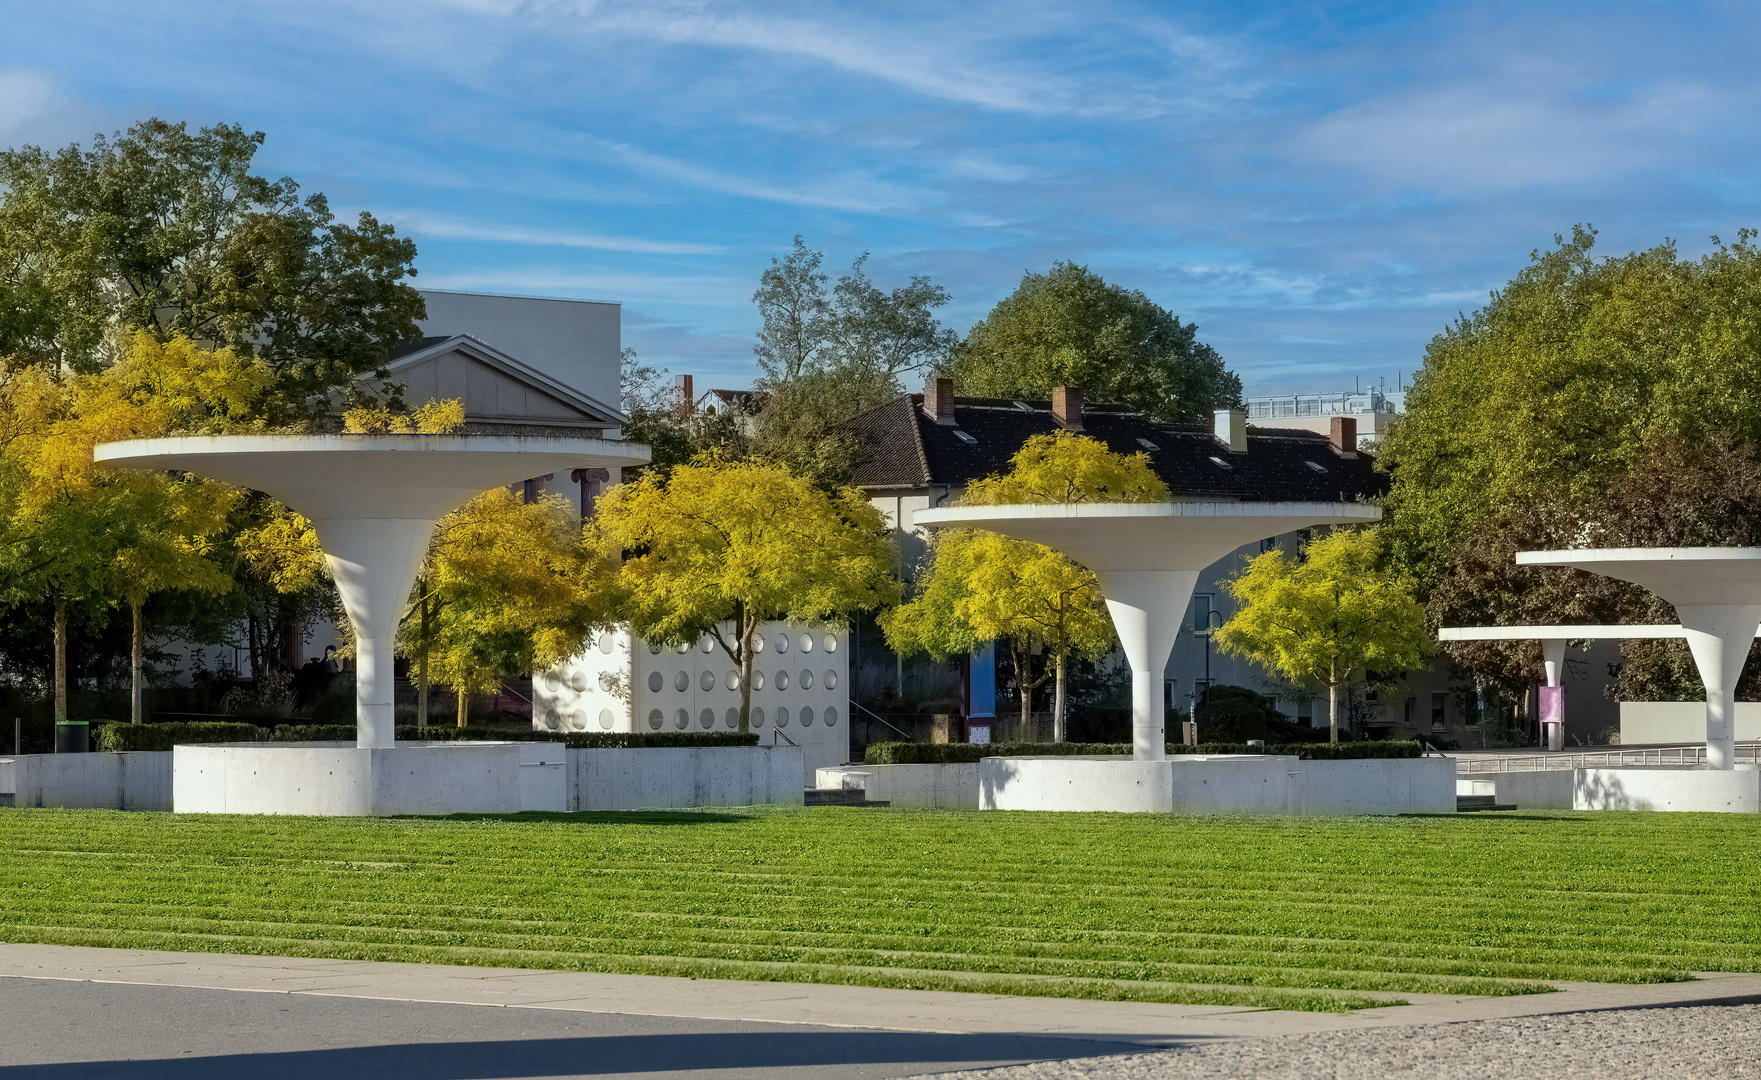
(905, 448)
(567, 405)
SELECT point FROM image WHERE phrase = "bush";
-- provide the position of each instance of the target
(510, 733)
(117, 737)
(904, 753)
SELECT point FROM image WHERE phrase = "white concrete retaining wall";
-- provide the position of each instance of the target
(925, 787)
(1680, 721)
(1737, 791)
(649, 778)
(132, 780)
(1375, 786)
(1246, 784)
(1548, 790)
(341, 779)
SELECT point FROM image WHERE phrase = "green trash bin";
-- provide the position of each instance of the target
(73, 736)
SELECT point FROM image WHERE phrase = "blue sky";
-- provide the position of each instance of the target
(1321, 187)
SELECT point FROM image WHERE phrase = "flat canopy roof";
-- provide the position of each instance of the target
(1557, 633)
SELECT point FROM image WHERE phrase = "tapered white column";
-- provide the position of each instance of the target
(1719, 638)
(1147, 607)
(375, 562)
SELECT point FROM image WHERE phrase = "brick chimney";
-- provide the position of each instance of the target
(1230, 428)
(1067, 407)
(684, 400)
(938, 400)
(1343, 436)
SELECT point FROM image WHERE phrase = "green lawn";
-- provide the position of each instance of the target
(1277, 912)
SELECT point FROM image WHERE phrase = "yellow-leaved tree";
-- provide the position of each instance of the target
(507, 586)
(717, 547)
(75, 531)
(981, 586)
(1317, 618)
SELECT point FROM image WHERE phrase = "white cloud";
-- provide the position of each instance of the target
(441, 228)
(26, 95)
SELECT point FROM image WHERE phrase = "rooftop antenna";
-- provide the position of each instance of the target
(1355, 388)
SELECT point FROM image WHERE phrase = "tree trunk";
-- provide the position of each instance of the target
(60, 658)
(1333, 708)
(138, 690)
(1024, 658)
(464, 705)
(746, 635)
(422, 669)
(1058, 703)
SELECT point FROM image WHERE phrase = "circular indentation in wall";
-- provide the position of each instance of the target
(782, 680)
(578, 680)
(605, 681)
(806, 679)
(782, 643)
(757, 644)
(831, 716)
(605, 719)
(579, 720)
(731, 718)
(831, 643)
(706, 719)
(806, 642)
(682, 719)
(654, 648)
(552, 681)
(806, 717)
(732, 680)
(707, 680)
(656, 681)
(655, 719)
(682, 648)
(551, 718)
(757, 717)
(682, 681)
(758, 680)
(831, 679)
(707, 645)
(605, 643)
(782, 717)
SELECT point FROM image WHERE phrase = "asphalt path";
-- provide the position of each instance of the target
(73, 1030)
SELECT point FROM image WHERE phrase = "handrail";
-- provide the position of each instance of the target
(882, 719)
(775, 735)
(1664, 755)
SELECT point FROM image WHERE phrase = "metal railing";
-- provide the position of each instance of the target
(1597, 759)
(858, 705)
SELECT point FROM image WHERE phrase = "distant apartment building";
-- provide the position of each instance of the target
(1372, 409)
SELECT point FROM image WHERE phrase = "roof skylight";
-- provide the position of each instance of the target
(965, 437)
(1146, 444)
(1317, 466)
(1023, 406)
(1220, 463)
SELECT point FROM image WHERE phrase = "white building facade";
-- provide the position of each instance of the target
(800, 690)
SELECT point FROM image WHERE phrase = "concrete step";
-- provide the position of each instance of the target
(1469, 803)
(837, 797)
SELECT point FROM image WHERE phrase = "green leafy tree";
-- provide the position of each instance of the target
(981, 586)
(1555, 388)
(718, 547)
(1068, 327)
(828, 355)
(1318, 618)
(169, 231)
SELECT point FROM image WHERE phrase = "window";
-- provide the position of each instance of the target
(1439, 711)
(1146, 444)
(1201, 613)
(1220, 463)
(965, 438)
(1270, 543)
(1315, 465)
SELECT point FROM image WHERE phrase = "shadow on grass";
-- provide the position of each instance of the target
(599, 817)
(1503, 815)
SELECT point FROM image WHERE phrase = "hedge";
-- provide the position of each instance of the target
(574, 739)
(117, 737)
(904, 753)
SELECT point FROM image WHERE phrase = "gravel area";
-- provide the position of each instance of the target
(1699, 1043)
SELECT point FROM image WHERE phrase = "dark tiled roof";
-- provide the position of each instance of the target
(905, 448)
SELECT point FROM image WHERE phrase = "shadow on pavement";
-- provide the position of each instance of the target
(759, 1051)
